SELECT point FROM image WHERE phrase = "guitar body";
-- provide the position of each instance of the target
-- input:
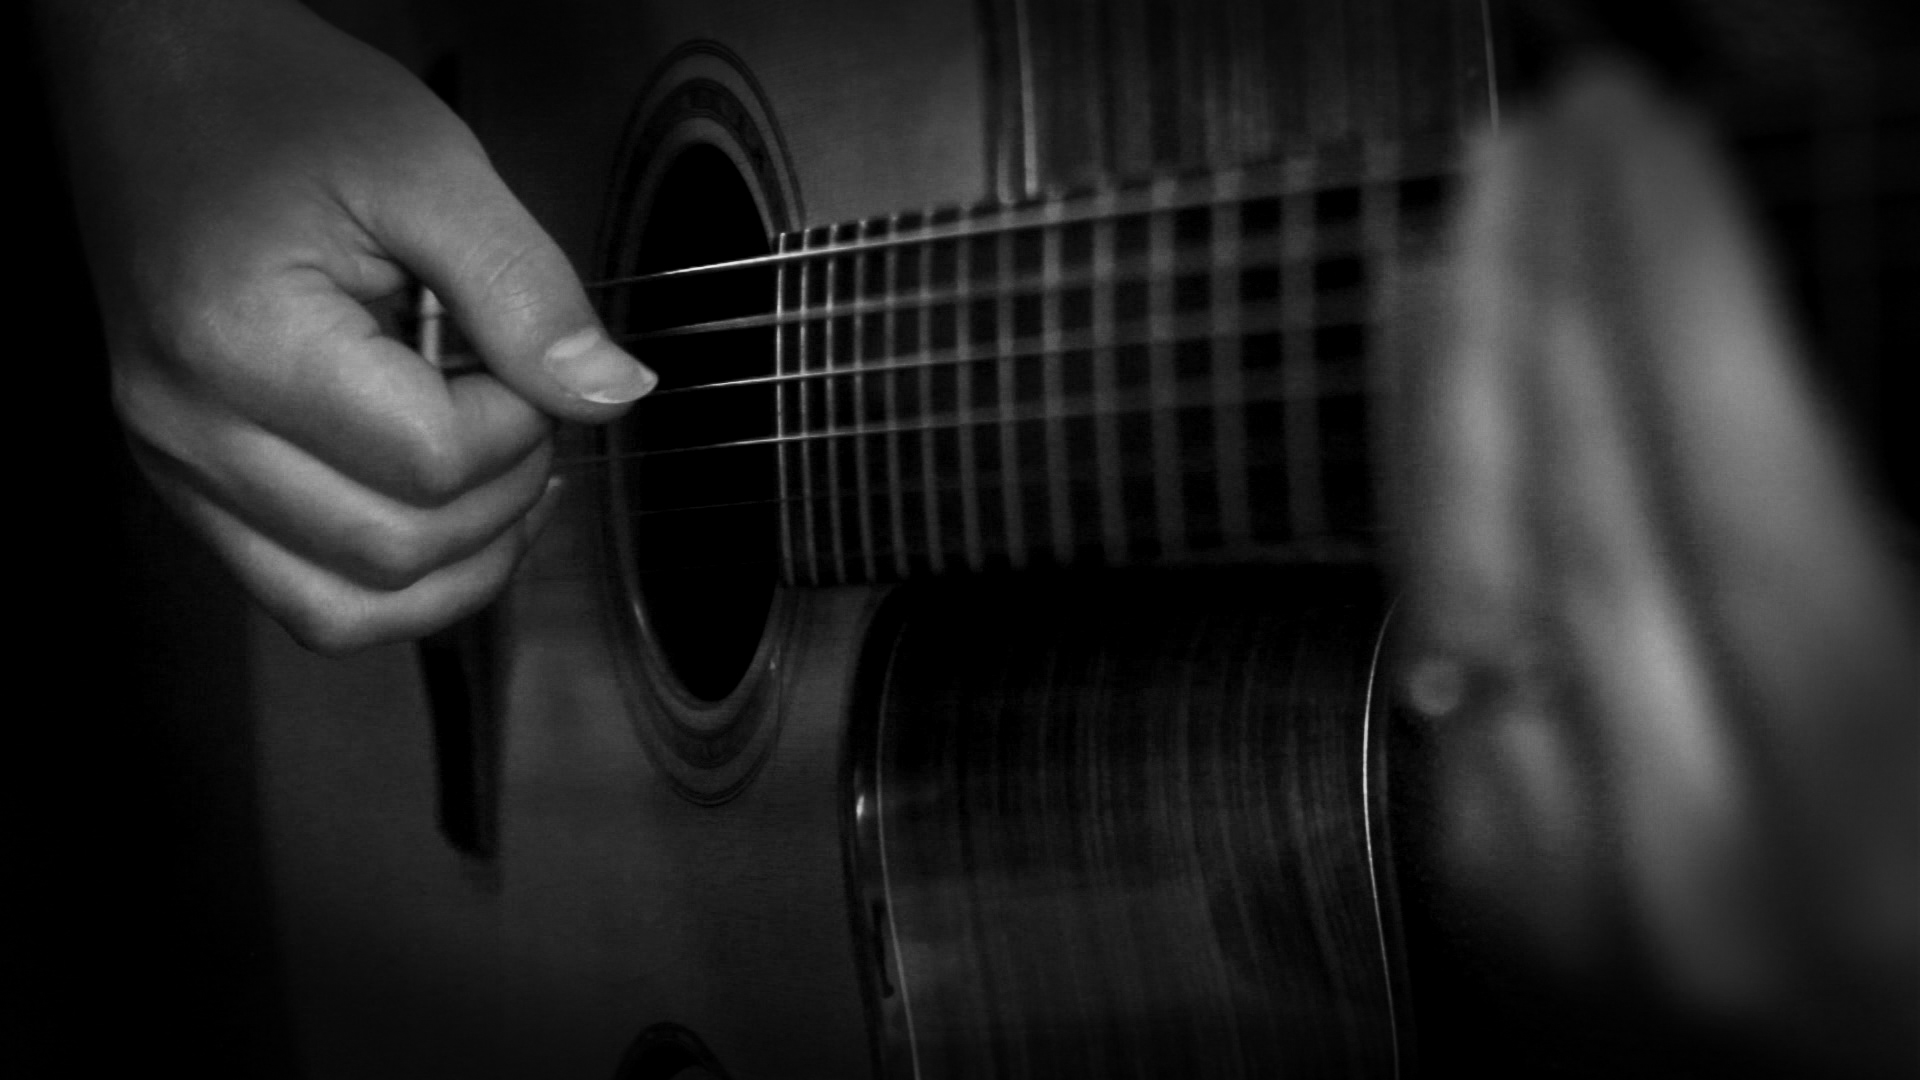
(1134, 824)
(614, 904)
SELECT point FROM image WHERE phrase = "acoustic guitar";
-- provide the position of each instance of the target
(966, 663)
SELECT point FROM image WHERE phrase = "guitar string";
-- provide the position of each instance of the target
(905, 492)
(799, 254)
(1130, 202)
(1333, 545)
(903, 428)
(1266, 254)
(1082, 340)
(1038, 219)
(1101, 211)
(1001, 350)
(1326, 550)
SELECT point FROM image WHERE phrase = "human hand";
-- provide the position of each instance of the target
(250, 183)
(1662, 640)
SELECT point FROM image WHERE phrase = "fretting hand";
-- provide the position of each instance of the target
(1667, 644)
(248, 181)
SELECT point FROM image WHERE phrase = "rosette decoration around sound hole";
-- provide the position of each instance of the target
(691, 492)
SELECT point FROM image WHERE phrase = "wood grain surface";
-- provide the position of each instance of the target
(1123, 828)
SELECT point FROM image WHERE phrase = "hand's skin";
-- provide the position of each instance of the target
(247, 180)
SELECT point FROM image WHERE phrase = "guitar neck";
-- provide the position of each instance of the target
(1172, 373)
(1169, 374)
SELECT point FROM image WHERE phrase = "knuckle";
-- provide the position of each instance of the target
(152, 414)
(133, 395)
(196, 330)
(332, 630)
(435, 468)
(394, 555)
(189, 340)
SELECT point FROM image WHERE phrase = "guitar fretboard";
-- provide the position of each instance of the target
(1176, 373)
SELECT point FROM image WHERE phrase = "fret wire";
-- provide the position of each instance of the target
(1106, 431)
(1011, 512)
(1229, 377)
(1335, 309)
(829, 406)
(781, 392)
(1105, 406)
(1281, 180)
(1261, 253)
(1059, 485)
(930, 503)
(896, 503)
(861, 483)
(1299, 366)
(1380, 218)
(1169, 500)
(963, 406)
(808, 511)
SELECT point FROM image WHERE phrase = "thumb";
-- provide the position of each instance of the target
(512, 292)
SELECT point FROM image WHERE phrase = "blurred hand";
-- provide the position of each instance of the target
(250, 184)
(1665, 646)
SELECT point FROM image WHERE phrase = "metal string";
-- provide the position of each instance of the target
(1272, 255)
(1082, 341)
(934, 425)
(1294, 550)
(1013, 218)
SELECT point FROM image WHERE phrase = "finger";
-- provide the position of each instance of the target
(1455, 480)
(331, 615)
(308, 362)
(1801, 578)
(1638, 661)
(1748, 602)
(511, 290)
(335, 522)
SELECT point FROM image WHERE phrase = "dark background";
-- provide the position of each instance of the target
(135, 912)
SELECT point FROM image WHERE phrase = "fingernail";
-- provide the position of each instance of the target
(598, 370)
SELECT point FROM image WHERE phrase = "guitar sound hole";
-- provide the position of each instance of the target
(701, 508)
